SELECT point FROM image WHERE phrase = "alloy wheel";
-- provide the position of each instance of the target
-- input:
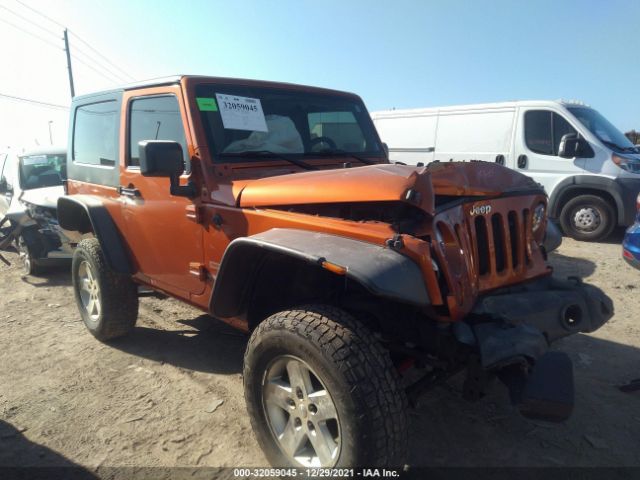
(89, 290)
(301, 413)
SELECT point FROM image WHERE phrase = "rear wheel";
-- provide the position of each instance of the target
(588, 217)
(108, 301)
(322, 392)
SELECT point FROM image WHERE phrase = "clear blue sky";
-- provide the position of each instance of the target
(400, 54)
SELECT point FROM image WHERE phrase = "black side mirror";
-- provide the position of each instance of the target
(3, 185)
(571, 145)
(160, 158)
(163, 158)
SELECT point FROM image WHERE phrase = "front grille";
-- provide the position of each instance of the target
(501, 243)
(485, 246)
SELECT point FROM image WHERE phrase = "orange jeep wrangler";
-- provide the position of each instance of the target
(274, 208)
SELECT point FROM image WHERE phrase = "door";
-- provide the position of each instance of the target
(540, 132)
(162, 230)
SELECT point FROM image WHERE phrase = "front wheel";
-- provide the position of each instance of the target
(29, 263)
(588, 218)
(322, 392)
(108, 301)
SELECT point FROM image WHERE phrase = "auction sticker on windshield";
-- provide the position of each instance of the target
(35, 160)
(241, 113)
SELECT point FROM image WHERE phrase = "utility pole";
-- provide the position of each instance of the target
(50, 134)
(66, 49)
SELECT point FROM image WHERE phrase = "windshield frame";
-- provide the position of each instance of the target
(362, 117)
(21, 173)
(613, 143)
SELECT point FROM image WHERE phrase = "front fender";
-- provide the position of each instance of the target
(382, 271)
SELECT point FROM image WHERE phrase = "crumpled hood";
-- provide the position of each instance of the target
(372, 183)
(385, 182)
(43, 197)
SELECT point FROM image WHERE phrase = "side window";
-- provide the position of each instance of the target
(537, 131)
(543, 131)
(560, 127)
(155, 118)
(95, 134)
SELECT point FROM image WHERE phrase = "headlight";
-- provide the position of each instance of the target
(538, 217)
(630, 164)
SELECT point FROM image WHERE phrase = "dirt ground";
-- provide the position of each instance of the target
(153, 398)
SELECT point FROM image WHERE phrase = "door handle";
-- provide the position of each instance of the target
(129, 191)
(522, 161)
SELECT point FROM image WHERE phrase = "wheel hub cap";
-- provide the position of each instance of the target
(301, 413)
(587, 219)
(89, 291)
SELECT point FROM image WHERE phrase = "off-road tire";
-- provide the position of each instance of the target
(356, 371)
(117, 294)
(605, 211)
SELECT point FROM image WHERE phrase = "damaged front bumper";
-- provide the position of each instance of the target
(511, 330)
(35, 233)
(527, 318)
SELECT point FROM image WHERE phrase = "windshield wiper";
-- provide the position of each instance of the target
(337, 151)
(269, 153)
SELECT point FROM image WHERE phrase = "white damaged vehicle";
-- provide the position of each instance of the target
(30, 185)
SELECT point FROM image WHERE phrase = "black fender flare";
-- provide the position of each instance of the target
(382, 271)
(588, 182)
(87, 213)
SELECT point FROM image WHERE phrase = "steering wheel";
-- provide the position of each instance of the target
(320, 140)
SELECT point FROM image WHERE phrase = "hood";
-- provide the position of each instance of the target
(43, 197)
(385, 182)
(372, 183)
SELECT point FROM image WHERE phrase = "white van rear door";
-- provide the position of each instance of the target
(475, 135)
(538, 138)
(410, 138)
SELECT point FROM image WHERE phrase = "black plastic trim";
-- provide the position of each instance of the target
(382, 271)
(73, 213)
(623, 191)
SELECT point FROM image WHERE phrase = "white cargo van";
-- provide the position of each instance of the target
(589, 169)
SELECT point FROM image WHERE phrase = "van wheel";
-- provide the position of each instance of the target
(108, 301)
(322, 392)
(588, 218)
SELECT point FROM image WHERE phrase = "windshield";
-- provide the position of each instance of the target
(39, 171)
(239, 120)
(603, 129)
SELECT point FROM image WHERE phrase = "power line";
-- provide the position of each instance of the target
(29, 21)
(40, 13)
(36, 102)
(30, 33)
(78, 37)
(89, 57)
(102, 56)
(111, 79)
